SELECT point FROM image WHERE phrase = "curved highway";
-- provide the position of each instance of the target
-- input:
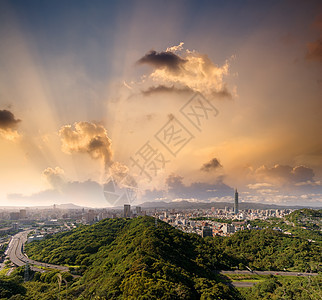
(15, 254)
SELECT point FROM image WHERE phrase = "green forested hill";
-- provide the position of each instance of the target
(76, 247)
(269, 249)
(308, 222)
(303, 223)
(153, 263)
(306, 216)
(134, 259)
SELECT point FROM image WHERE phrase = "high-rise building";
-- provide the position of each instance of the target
(236, 202)
(138, 210)
(22, 214)
(90, 216)
(206, 231)
(127, 210)
(14, 216)
(228, 228)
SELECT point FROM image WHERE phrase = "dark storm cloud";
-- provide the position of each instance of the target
(7, 120)
(162, 59)
(211, 165)
(162, 89)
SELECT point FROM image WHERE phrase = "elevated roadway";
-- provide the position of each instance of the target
(17, 256)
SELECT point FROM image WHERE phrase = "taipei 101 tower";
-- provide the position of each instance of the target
(236, 202)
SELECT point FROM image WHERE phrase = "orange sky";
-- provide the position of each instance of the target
(84, 87)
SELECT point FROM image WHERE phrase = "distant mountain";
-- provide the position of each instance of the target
(219, 205)
(69, 206)
(59, 206)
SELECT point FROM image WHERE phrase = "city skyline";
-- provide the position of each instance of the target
(90, 89)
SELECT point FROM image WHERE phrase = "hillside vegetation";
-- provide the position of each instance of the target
(286, 288)
(303, 223)
(134, 259)
(269, 249)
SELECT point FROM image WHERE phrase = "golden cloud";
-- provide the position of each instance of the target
(88, 138)
(190, 70)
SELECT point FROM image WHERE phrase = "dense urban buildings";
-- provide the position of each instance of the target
(203, 221)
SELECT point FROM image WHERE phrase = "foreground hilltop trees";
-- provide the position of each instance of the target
(133, 258)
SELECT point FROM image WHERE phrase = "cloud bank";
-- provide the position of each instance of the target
(55, 177)
(64, 191)
(285, 174)
(198, 191)
(187, 70)
(92, 138)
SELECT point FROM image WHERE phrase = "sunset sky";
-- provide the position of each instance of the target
(92, 90)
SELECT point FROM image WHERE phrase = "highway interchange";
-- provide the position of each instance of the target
(15, 254)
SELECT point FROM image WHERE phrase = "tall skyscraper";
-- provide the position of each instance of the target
(127, 210)
(236, 202)
(138, 210)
